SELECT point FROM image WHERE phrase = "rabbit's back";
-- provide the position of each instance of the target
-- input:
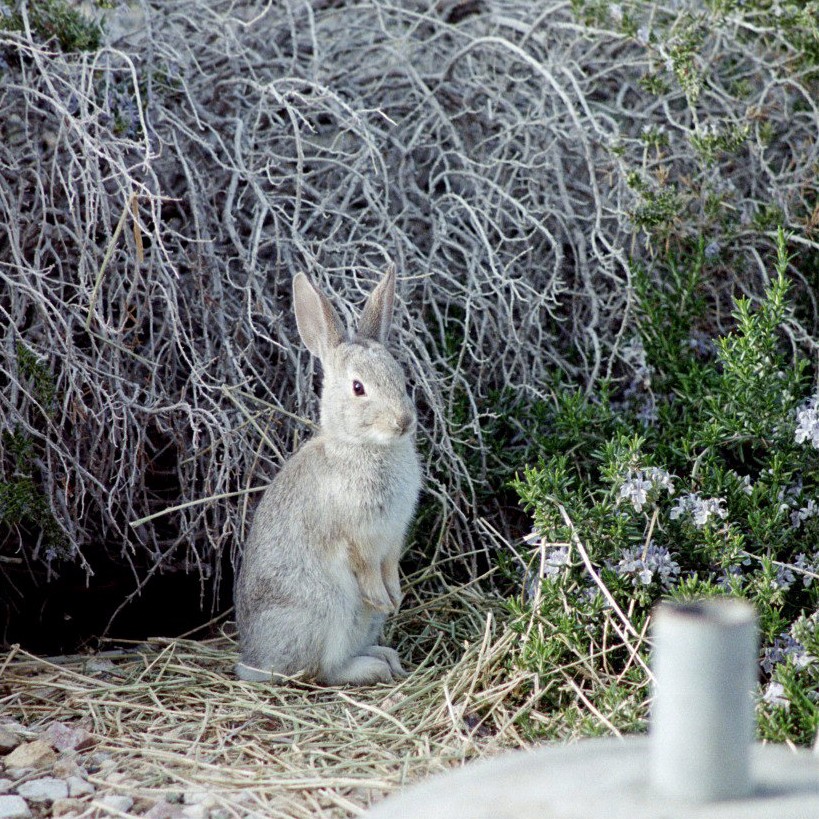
(291, 558)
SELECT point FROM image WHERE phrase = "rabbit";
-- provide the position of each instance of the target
(320, 566)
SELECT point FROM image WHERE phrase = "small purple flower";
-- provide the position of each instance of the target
(699, 509)
(807, 423)
(555, 561)
(807, 566)
(785, 646)
(648, 413)
(731, 578)
(774, 694)
(783, 580)
(799, 516)
(701, 344)
(712, 250)
(644, 568)
(636, 489)
(640, 484)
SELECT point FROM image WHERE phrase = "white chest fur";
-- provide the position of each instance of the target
(379, 490)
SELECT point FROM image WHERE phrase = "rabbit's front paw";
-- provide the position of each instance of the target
(370, 580)
(373, 592)
(392, 582)
(380, 601)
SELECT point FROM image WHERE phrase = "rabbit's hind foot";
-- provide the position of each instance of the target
(250, 674)
(361, 670)
(391, 658)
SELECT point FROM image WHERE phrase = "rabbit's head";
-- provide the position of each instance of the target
(364, 396)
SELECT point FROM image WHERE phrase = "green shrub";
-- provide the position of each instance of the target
(54, 20)
(23, 505)
(698, 478)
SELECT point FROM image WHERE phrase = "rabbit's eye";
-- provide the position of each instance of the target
(358, 388)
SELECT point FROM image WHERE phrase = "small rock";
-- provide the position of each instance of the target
(13, 807)
(8, 741)
(199, 797)
(117, 801)
(99, 666)
(45, 789)
(164, 810)
(142, 804)
(35, 754)
(67, 737)
(77, 786)
(199, 811)
(65, 766)
(64, 807)
(100, 761)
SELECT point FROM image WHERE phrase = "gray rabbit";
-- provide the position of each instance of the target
(320, 567)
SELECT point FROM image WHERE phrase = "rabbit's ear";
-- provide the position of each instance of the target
(319, 326)
(377, 314)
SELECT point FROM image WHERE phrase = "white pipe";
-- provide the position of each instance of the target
(702, 723)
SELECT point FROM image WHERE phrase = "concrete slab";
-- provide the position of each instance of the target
(601, 779)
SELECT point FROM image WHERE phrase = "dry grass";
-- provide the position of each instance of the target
(172, 723)
(175, 721)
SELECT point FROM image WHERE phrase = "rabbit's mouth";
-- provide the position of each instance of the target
(389, 430)
(404, 424)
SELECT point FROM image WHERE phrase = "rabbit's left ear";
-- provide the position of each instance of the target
(377, 315)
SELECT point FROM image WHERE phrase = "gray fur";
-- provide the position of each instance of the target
(320, 567)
